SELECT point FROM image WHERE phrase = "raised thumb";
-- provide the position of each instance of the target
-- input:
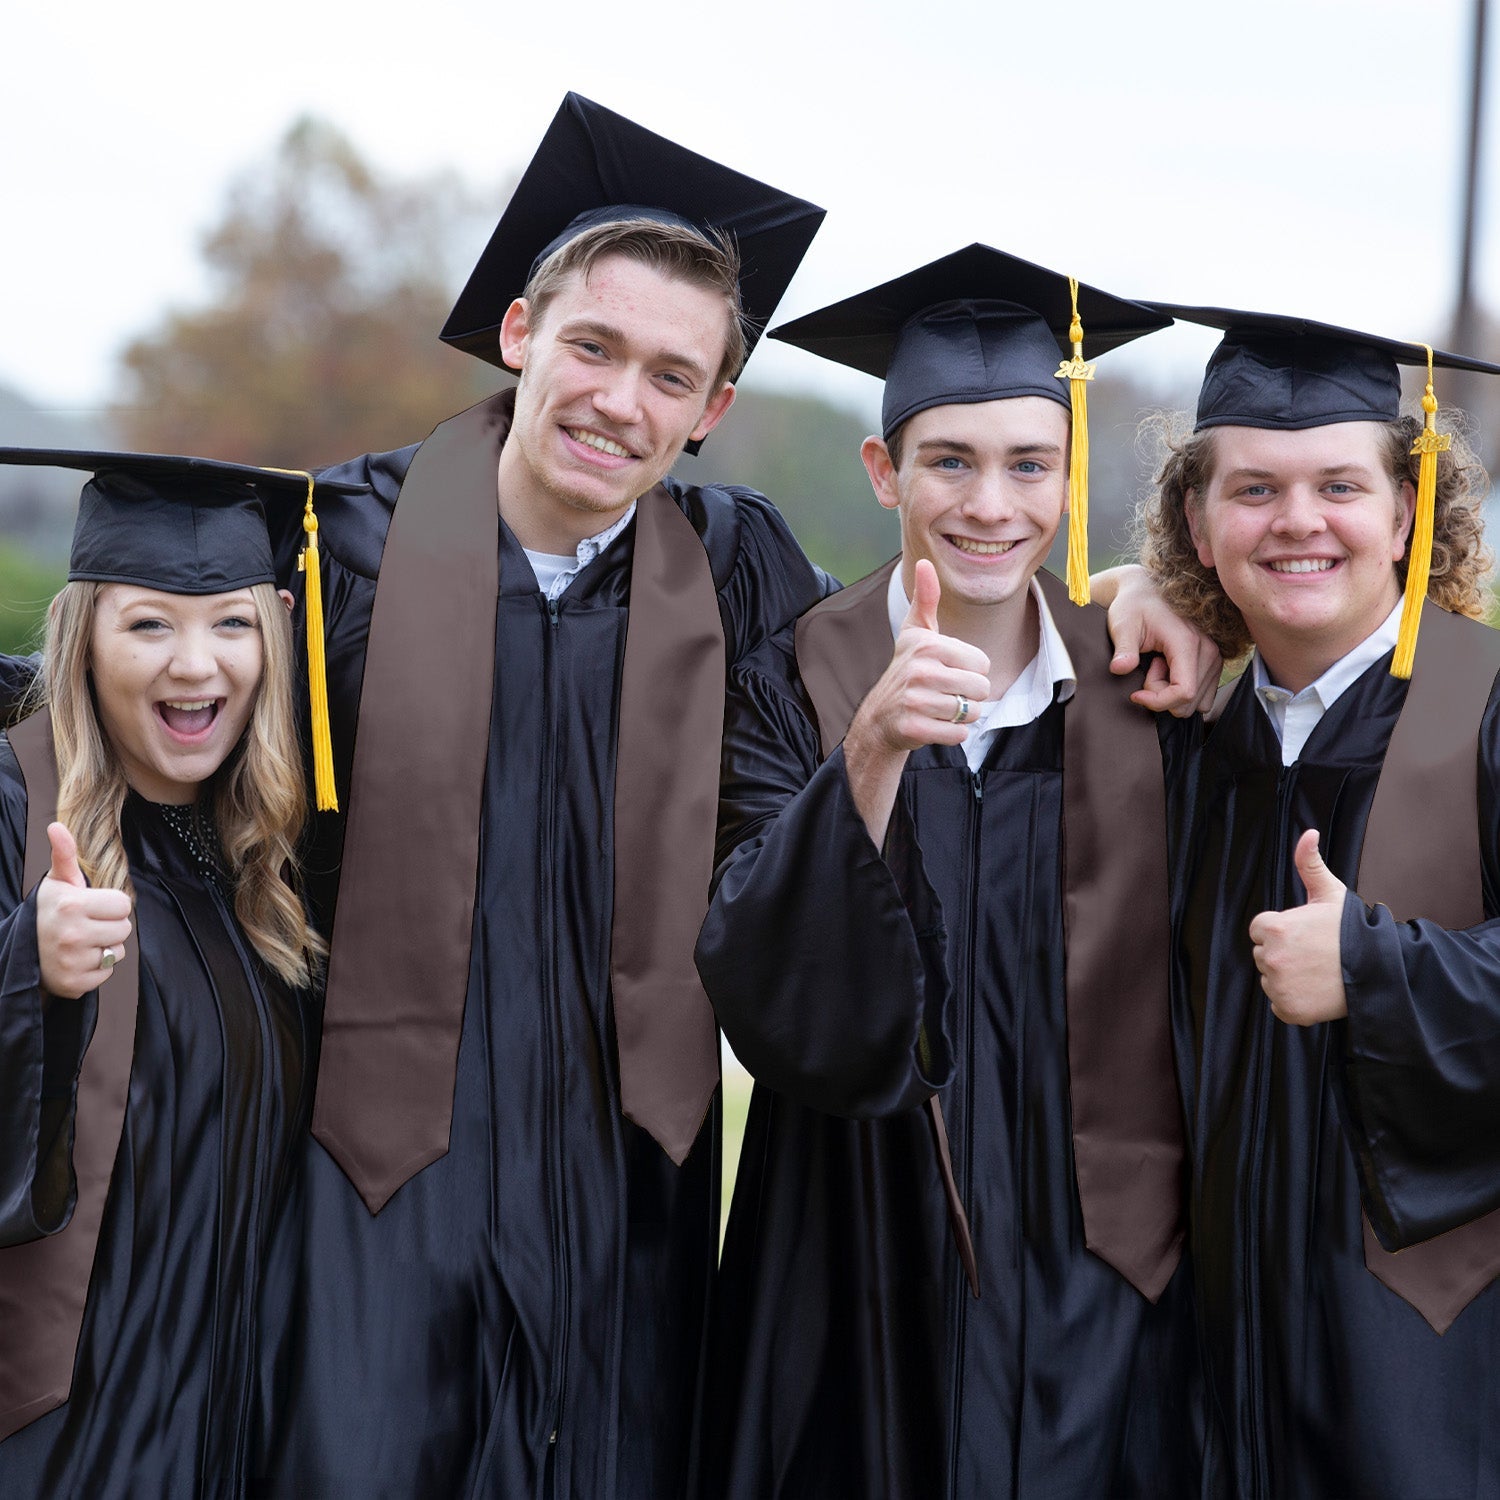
(925, 594)
(1322, 884)
(64, 856)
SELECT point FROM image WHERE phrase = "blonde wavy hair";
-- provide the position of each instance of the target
(259, 794)
(1184, 462)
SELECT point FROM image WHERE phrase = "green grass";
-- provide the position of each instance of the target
(26, 587)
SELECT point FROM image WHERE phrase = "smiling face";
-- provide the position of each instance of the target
(981, 490)
(175, 679)
(1304, 530)
(617, 375)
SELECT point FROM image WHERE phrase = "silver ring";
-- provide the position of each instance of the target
(108, 958)
(962, 711)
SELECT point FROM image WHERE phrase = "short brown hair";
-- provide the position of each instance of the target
(708, 260)
(1461, 562)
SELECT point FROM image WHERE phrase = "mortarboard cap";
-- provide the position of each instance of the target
(194, 526)
(1290, 374)
(593, 167)
(981, 325)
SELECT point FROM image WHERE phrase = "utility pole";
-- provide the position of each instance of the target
(1466, 334)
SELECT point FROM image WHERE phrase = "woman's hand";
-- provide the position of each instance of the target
(79, 932)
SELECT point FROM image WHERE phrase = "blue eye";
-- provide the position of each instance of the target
(147, 627)
(950, 463)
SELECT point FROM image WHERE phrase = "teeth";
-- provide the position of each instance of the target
(594, 440)
(190, 705)
(1303, 565)
(983, 549)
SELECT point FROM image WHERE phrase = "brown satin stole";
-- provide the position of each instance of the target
(399, 967)
(1421, 858)
(1127, 1120)
(44, 1284)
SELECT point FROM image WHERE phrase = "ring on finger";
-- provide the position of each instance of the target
(108, 958)
(961, 709)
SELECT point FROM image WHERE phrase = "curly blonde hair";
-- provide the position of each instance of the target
(259, 794)
(1184, 462)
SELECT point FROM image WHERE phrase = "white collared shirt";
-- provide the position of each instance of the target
(1295, 715)
(1047, 675)
(556, 570)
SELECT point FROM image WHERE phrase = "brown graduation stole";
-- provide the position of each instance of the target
(44, 1284)
(399, 969)
(1127, 1120)
(1431, 868)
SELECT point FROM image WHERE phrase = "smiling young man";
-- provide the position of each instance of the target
(1338, 1059)
(512, 1205)
(897, 914)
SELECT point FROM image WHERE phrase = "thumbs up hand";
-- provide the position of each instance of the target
(1297, 951)
(930, 679)
(79, 932)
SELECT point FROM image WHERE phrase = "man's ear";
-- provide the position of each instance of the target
(287, 599)
(1408, 515)
(718, 404)
(1196, 529)
(515, 329)
(877, 461)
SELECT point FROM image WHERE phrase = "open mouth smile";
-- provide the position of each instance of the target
(188, 720)
(1303, 565)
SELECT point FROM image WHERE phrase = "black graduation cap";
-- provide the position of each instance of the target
(1291, 373)
(195, 526)
(594, 166)
(981, 325)
(182, 525)
(977, 325)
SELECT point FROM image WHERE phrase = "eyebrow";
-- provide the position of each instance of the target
(1328, 472)
(967, 450)
(609, 334)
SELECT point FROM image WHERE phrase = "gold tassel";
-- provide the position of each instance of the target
(308, 564)
(1430, 442)
(1075, 371)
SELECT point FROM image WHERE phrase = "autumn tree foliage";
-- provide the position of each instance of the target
(330, 283)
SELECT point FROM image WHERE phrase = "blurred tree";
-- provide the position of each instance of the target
(331, 282)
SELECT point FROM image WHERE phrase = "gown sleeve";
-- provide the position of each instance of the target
(823, 956)
(42, 1042)
(1421, 1065)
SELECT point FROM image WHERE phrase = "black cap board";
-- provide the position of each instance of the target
(977, 325)
(182, 525)
(594, 166)
(1290, 373)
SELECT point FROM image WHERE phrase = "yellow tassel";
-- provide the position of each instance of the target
(1076, 372)
(324, 790)
(1430, 442)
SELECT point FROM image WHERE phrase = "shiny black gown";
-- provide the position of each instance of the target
(850, 1358)
(173, 1337)
(527, 1315)
(1323, 1381)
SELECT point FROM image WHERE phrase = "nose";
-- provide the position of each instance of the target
(989, 500)
(617, 397)
(193, 656)
(1300, 514)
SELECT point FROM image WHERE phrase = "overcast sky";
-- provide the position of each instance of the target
(1291, 155)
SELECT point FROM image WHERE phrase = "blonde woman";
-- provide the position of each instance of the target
(155, 964)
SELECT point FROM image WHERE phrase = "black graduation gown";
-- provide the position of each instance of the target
(850, 1358)
(1323, 1381)
(526, 1315)
(163, 1384)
